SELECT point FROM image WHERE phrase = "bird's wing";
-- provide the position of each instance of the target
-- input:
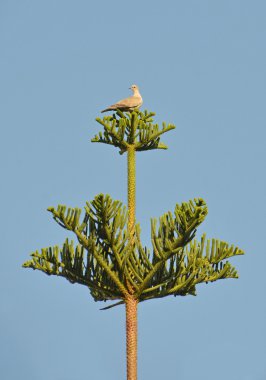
(131, 102)
(127, 103)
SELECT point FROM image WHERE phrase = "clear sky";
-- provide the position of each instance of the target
(200, 65)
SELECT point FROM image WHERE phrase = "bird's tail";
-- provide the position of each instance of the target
(110, 108)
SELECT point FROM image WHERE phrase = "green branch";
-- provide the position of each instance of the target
(136, 128)
(110, 258)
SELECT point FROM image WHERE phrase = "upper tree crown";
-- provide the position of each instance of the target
(132, 128)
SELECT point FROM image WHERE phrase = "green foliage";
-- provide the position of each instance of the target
(96, 260)
(122, 129)
(105, 261)
(113, 264)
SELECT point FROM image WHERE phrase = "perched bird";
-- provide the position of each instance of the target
(128, 104)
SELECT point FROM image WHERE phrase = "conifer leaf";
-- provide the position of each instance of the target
(69, 262)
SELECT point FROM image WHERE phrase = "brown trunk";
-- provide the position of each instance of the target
(131, 333)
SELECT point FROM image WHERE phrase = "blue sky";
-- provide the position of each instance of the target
(200, 65)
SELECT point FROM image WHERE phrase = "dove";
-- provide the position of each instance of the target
(128, 104)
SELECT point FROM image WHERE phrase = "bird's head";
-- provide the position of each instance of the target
(134, 88)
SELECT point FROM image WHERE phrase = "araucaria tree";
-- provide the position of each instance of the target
(109, 257)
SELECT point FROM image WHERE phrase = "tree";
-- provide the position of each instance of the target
(109, 257)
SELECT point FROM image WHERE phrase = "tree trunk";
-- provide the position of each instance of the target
(132, 337)
(131, 302)
(131, 191)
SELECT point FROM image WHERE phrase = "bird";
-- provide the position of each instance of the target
(129, 104)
